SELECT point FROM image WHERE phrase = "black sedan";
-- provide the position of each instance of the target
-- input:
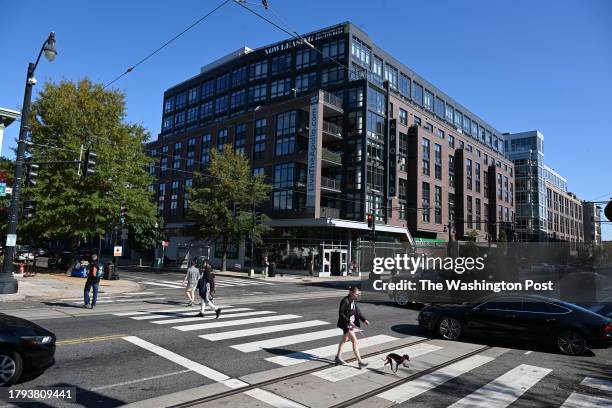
(26, 349)
(569, 327)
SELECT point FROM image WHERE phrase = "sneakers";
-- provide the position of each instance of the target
(85, 306)
(339, 361)
(217, 312)
(362, 365)
(92, 306)
(200, 314)
(190, 304)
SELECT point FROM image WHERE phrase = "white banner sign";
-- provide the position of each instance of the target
(312, 175)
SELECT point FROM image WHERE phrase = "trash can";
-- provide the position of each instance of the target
(272, 269)
(110, 272)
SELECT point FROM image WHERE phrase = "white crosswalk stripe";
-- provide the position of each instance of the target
(272, 399)
(325, 352)
(261, 330)
(161, 284)
(376, 362)
(599, 383)
(115, 299)
(223, 316)
(182, 312)
(205, 326)
(504, 390)
(576, 400)
(287, 340)
(411, 389)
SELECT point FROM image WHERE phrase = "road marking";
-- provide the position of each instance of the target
(178, 359)
(188, 312)
(140, 380)
(576, 400)
(287, 340)
(324, 352)
(272, 399)
(214, 325)
(140, 300)
(141, 312)
(528, 352)
(599, 383)
(162, 284)
(411, 389)
(504, 390)
(222, 316)
(261, 330)
(342, 372)
(88, 339)
(139, 293)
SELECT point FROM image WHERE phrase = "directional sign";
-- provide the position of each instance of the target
(165, 243)
(8, 190)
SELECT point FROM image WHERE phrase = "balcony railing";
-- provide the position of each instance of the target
(332, 100)
(330, 183)
(332, 157)
(332, 129)
(328, 212)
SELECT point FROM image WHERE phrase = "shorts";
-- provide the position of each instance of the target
(191, 286)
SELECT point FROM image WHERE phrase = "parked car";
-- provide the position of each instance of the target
(26, 349)
(570, 328)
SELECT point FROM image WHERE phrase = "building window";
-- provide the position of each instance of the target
(187, 193)
(439, 107)
(285, 133)
(205, 157)
(179, 119)
(238, 99)
(239, 76)
(425, 202)
(377, 69)
(467, 125)
(425, 156)
(334, 49)
(332, 76)
(375, 125)
(438, 205)
(223, 82)
(468, 173)
(458, 119)
(361, 52)
(222, 139)
(451, 207)
(506, 198)
(208, 89)
(163, 163)
(428, 100)
(168, 123)
(376, 101)
(477, 176)
(280, 87)
(477, 203)
(403, 117)
(440, 133)
(169, 104)
(190, 154)
(181, 100)
(240, 139)
(305, 58)
(257, 93)
(306, 82)
(403, 189)
(404, 85)
(417, 120)
(161, 197)
(449, 113)
(259, 70)
(174, 190)
(259, 171)
(259, 148)
(192, 115)
(391, 76)
(451, 141)
(403, 151)
(221, 104)
(475, 130)
(429, 127)
(417, 93)
(451, 171)
(176, 159)
(470, 210)
(280, 64)
(194, 95)
(438, 161)
(499, 187)
(207, 109)
(355, 96)
(285, 176)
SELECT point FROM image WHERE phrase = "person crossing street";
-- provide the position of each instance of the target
(349, 319)
(93, 281)
(191, 278)
(206, 290)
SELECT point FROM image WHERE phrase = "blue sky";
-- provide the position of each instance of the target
(520, 64)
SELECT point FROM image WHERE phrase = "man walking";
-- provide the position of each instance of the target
(349, 319)
(206, 290)
(93, 281)
(191, 278)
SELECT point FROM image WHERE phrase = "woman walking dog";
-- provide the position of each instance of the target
(349, 320)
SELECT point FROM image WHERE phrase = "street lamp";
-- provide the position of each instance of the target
(8, 284)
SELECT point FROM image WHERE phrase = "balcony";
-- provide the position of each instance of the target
(328, 212)
(330, 184)
(334, 132)
(330, 157)
(332, 101)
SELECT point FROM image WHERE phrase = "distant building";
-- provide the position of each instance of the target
(592, 222)
(7, 116)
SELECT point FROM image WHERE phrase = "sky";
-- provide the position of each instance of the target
(520, 65)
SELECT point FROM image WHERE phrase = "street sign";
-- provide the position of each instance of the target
(11, 240)
(124, 233)
(165, 244)
(8, 190)
(118, 251)
(2, 189)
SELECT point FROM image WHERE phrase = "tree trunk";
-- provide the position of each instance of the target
(224, 258)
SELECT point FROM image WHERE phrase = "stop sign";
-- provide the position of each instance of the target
(608, 211)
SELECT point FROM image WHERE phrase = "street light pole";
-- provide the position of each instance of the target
(8, 284)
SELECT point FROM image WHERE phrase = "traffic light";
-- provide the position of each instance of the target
(28, 209)
(90, 163)
(31, 174)
(371, 222)
(123, 215)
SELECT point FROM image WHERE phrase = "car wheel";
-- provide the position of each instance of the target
(449, 328)
(401, 299)
(571, 343)
(10, 368)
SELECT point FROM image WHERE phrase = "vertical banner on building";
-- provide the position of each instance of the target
(312, 154)
(392, 160)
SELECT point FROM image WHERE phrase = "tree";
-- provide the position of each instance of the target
(69, 116)
(502, 236)
(7, 174)
(472, 235)
(222, 201)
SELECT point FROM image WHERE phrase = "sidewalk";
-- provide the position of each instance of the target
(60, 286)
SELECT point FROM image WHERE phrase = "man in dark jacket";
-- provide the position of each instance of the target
(206, 290)
(93, 281)
(349, 320)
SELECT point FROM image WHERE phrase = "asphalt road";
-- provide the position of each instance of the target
(144, 345)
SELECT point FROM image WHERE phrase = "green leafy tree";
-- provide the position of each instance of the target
(221, 202)
(503, 237)
(7, 173)
(65, 117)
(472, 235)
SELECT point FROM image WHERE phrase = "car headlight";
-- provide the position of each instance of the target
(37, 339)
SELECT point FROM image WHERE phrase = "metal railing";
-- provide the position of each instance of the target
(331, 156)
(328, 212)
(332, 129)
(330, 183)
(332, 99)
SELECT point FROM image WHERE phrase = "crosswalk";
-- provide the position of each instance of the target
(126, 297)
(263, 332)
(220, 281)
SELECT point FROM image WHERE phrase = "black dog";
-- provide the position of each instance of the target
(392, 357)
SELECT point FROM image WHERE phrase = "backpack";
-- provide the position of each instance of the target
(96, 271)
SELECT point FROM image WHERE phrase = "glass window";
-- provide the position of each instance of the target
(474, 129)
(259, 147)
(306, 82)
(377, 68)
(438, 205)
(179, 119)
(403, 116)
(280, 87)
(239, 76)
(425, 156)
(376, 100)
(451, 141)
(280, 64)
(285, 133)
(181, 100)
(333, 49)
(258, 93)
(458, 119)
(404, 85)
(187, 194)
(467, 125)
(376, 125)
(361, 51)
(259, 171)
(194, 94)
(208, 89)
(428, 100)
(168, 122)
(259, 70)
(429, 127)
(238, 99)
(425, 202)
(356, 98)
(190, 154)
(221, 104)
(205, 155)
(206, 109)
(222, 139)
(305, 58)
(192, 114)
(240, 139)
(223, 82)
(417, 93)
(440, 133)
(332, 76)
(450, 113)
(169, 104)
(417, 120)
(439, 108)
(438, 161)
(451, 170)
(391, 75)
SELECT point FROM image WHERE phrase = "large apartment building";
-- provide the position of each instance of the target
(341, 129)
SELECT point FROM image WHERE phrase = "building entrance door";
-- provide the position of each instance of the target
(335, 262)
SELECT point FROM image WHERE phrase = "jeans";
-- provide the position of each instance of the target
(88, 286)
